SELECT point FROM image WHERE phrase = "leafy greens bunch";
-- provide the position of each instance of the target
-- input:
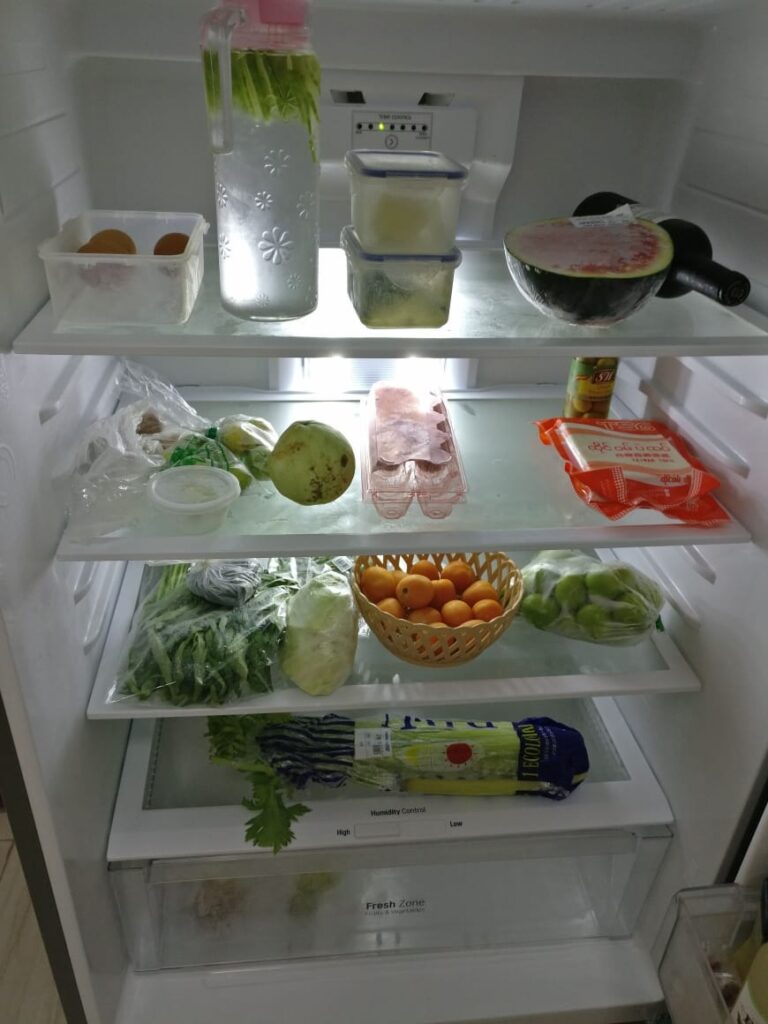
(189, 650)
(234, 743)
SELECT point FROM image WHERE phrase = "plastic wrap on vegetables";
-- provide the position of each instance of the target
(251, 438)
(281, 754)
(187, 650)
(318, 652)
(206, 450)
(229, 584)
(570, 593)
(411, 754)
(119, 453)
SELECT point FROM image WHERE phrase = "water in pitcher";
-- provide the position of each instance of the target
(266, 209)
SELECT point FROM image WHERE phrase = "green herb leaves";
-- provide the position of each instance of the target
(233, 741)
(269, 86)
(270, 825)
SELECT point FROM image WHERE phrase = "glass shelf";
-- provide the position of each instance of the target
(519, 497)
(524, 664)
(488, 318)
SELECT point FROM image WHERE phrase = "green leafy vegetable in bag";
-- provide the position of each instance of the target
(187, 650)
(207, 450)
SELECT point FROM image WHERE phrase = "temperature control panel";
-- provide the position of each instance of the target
(391, 129)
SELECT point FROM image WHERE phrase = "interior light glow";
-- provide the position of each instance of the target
(327, 374)
(382, 126)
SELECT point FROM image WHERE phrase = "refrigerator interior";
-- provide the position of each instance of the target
(101, 107)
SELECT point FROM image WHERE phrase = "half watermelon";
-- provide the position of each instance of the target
(589, 270)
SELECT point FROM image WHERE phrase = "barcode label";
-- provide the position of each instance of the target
(372, 743)
(621, 215)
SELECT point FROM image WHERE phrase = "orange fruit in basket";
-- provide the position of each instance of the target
(481, 590)
(444, 591)
(377, 583)
(392, 606)
(487, 610)
(460, 575)
(415, 591)
(397, 575)
(425, 616)
(425, 568)
(456, 613)
(110, 241)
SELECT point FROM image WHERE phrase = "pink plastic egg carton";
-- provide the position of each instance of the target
(411, 452)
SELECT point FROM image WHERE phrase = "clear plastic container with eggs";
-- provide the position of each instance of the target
(125, 267)
(410, 452)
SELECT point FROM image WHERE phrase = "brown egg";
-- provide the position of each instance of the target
(110, 241)
(172, 244)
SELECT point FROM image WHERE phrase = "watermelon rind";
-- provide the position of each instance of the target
(582, 296)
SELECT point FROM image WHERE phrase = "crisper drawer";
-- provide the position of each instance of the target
(699, 974)
(375, 872)
(422, 897)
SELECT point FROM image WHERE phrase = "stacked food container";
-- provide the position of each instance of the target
(401, 253)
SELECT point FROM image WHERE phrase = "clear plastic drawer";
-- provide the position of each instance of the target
(698, 974)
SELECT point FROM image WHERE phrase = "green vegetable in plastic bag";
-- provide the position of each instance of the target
(570, 593)
(207, 450)
(318, 652)
(187, 650)
(242, 433)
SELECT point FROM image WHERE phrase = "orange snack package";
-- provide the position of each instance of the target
(619, 465)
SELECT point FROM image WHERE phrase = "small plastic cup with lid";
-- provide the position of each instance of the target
(405, 202)
(195, 498)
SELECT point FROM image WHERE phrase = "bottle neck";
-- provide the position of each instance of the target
(701, 274)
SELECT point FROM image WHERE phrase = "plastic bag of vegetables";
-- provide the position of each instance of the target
(185, 649)
(229, 584)
(570, 593)
(249, 437)
(318, 651)
(207, 450)
(282, 755)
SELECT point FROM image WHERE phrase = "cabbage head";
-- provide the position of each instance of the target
(318, 650)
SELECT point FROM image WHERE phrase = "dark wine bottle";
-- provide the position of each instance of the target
(693, 268)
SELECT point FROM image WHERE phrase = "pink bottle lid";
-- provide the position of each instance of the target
(274, 24)
(283, 12)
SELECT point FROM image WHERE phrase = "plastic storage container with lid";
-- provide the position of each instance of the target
(194, 498)
(405, 202)
(411, 452)
(91, 288)
(403, 290)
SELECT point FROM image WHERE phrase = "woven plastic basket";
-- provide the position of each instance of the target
(425, 645)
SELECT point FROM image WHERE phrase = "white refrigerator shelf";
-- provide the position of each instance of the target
(599, 980)
(518, 497)
(525, 664)
(488, 318)
(172, 802)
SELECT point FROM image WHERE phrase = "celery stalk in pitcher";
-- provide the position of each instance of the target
(262, 86)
